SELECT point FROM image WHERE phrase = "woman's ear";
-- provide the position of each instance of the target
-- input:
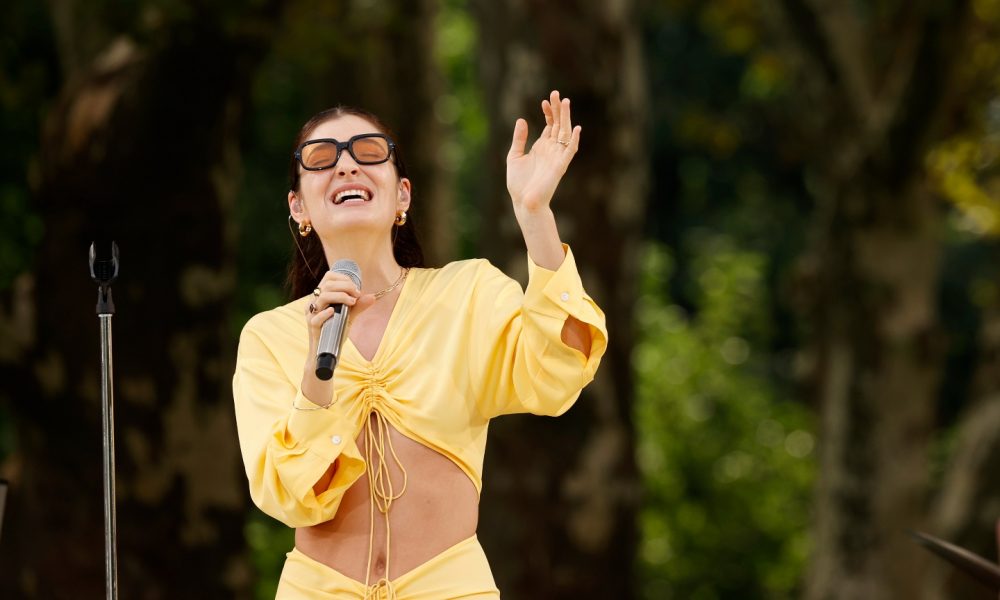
(295, 206)
(404, 193)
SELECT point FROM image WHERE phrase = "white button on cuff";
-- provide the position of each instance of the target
(335, 439)
(564, 296)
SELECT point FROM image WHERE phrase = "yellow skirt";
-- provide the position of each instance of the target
(459, 572)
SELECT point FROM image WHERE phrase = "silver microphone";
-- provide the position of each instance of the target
(331, 337)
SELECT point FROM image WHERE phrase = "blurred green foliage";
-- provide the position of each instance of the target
(725, 448)
(27, 84)
(268, 541)
(726, 458)
(461, 110)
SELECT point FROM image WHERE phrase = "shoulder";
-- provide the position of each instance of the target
(470, 274)
(474, 284)
(277, 325)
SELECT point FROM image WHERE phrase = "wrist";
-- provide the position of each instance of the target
(316, 391)
(533, 217)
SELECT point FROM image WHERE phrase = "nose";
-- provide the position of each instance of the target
(346, 165)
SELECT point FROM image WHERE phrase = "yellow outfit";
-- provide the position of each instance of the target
(463, 344)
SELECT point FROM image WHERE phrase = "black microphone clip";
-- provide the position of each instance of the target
(104, 271)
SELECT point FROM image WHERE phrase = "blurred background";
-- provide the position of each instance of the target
(788, 209)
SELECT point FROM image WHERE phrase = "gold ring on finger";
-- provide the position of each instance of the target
(564, 143)
(312, 308)
(316, 292)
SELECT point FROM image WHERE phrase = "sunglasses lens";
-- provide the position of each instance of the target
(319, 155)
(370, 150)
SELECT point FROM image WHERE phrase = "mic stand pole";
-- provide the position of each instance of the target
(103, 272)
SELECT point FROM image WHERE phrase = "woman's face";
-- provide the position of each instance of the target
(322, 193)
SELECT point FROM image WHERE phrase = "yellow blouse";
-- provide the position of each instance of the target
(463, 345)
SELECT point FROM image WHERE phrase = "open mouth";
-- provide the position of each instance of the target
(352, 196)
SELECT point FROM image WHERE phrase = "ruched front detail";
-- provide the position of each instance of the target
(378, 451)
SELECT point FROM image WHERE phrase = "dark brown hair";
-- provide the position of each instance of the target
(308, 262)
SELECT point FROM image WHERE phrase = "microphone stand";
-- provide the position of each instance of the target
(103, 272)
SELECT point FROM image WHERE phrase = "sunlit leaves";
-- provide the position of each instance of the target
(965, 167)
(968, 174)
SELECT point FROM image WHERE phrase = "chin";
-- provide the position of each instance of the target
(354, 223)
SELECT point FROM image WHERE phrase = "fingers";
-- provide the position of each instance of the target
(547, 111)
(519, 140)
(564, 123)
(558, 127)
(330, 298)
(557, 117)
(317, 319)
(321, 308)
(556, 107)
(574, 143)
(334, 288)
(333, 281)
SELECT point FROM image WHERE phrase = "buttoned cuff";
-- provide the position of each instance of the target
(560, 293)
(322, 432)
(553, 296)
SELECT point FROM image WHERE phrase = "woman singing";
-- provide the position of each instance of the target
(379, 469)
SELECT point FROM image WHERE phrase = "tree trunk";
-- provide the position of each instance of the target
(140, 147)
(966, 509)
(877, 105)
(878, 375)
(560, 497)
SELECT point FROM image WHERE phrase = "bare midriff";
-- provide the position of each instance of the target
(438, 507)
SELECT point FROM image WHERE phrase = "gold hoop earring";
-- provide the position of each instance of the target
(305, 260)
(305, 228)
(400, 219)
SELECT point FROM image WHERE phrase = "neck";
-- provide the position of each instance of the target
(374, 257)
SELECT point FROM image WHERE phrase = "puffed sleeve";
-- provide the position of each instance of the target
(287, 451)
(517, 341)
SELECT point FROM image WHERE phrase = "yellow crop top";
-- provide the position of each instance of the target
(463, 345)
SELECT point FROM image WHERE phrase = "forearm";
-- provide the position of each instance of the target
(318, 392)
(541, 236)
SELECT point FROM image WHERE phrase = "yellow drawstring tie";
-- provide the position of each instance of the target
(382, 590)
(381, 490)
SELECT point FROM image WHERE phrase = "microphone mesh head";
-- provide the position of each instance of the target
(350, 268)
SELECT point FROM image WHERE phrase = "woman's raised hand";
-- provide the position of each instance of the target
(532, 177)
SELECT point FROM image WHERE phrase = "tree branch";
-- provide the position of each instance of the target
(897, 74)
(838, 74)
(931, 90)
(847, 41)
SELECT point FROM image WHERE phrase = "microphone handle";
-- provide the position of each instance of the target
(331, 338)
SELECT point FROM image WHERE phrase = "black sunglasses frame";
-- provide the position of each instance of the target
(349, 146)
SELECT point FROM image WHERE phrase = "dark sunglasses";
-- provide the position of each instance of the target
(365, 149)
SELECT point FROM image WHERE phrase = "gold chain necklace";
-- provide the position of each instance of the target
(399, 280)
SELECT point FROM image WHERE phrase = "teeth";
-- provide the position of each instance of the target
(351, 192)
